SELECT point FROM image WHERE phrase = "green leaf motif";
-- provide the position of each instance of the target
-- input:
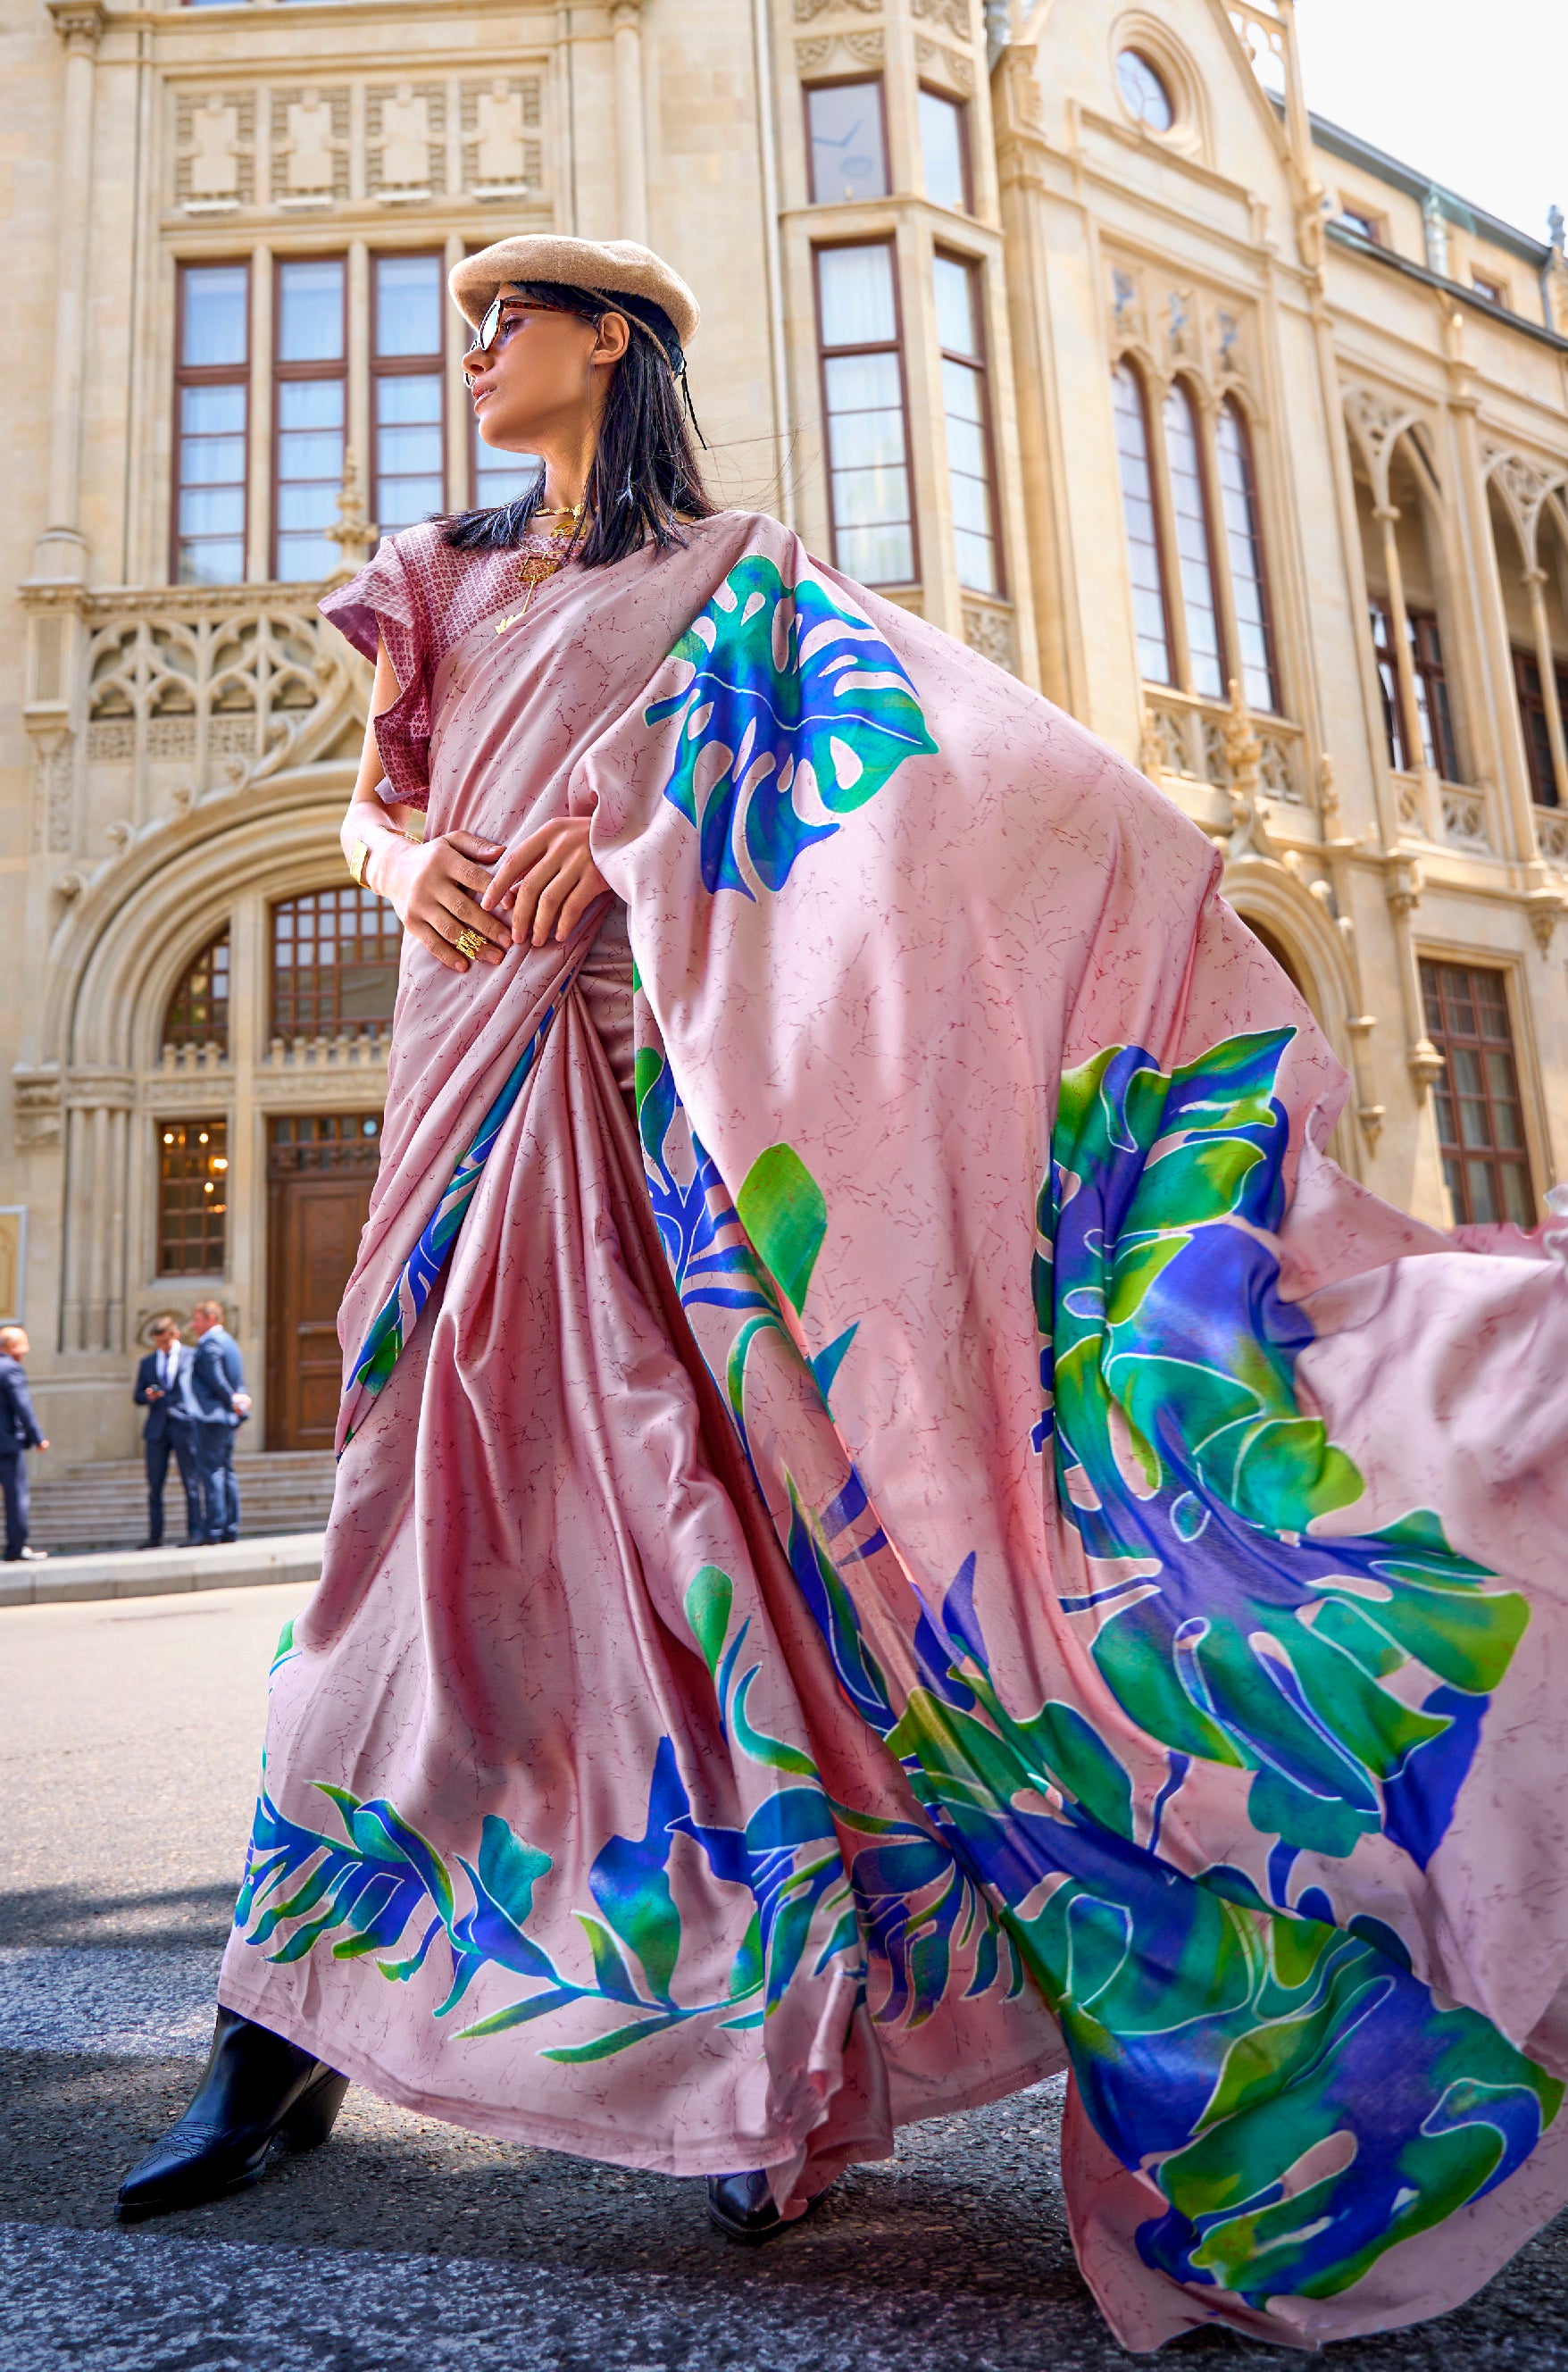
(784, 1210)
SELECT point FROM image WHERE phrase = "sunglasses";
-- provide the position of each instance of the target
(495, 312)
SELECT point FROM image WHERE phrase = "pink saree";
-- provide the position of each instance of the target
(952, 1545)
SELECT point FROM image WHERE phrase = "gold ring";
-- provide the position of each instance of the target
(469, 942)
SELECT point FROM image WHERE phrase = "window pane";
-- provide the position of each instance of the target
(197, 1014)
(408, 397)
(310, 403)
(955, 327)
(968, 475)
(1143, 536)
(216, 562)
(1145, 91)
(501, 477)
(310, 312)
(942, 149)
(1193, 556)
(1481, 1120)
(334, 962)
(883, 555)
(212, 410)
(193, 1197)
(408, 304)
(215, 329)
(1239, 501)
(212, 510)
(857, 296)
(848, 156)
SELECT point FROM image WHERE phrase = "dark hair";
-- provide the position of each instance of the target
(644, 477)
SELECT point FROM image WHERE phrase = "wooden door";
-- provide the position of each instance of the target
(320, 1175)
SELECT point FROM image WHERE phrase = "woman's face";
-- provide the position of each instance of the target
(544, 375)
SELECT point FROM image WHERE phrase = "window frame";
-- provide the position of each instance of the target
(208, 375)
(846, 82)
(405, 366)
(1522, 1157)
(1231, 402)
(288, 373)
(1432, 679)
(1492, 291)
(190, 1122)
(825, 354)
(1372, 228)
(966, 150)
(1181, 384)
(980, 362)
(1543, 794)
(295, 1032)
(172, 1032)
(1153, 462)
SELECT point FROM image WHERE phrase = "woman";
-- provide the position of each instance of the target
(954, 1544)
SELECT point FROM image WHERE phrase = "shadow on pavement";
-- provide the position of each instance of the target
(66, 1915)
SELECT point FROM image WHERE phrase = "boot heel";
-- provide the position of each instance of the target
(310, 2122)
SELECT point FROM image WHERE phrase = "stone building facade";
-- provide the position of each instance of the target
(1069, 326)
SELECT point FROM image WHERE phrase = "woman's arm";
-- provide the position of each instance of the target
(435, 884)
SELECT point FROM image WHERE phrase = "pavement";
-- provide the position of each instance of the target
(127, 1766)
(148, 1573)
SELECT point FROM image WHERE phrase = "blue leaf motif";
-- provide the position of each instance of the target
(795, 713)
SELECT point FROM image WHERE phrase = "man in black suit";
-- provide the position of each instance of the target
(220, 1405)
(163, 1389)
(19, 1432)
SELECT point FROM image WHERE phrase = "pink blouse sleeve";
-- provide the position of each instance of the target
(384, 601)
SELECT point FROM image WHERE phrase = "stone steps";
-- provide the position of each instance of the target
(102, 1504)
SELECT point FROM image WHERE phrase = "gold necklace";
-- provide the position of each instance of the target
(538, 565)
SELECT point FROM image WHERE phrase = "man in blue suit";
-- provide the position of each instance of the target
(163, 1389)
(19, 1432)
(220, 1405)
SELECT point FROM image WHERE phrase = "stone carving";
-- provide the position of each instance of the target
(501, 156)
(811, 56)
(1464, 819)
(1552, 835)
(955, 14)
(405, 150)
(989, 631)
(309, 146)
(234, 694)
(54, 828)
(1377, 427)
(1524, 487)
(806, 10)
(215, 151)
(1164, 745)
(38, 1102)
(939, 64)
(865, 48)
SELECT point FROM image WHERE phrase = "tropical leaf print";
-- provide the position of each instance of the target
(1350, 1673)
(1299, 2097)
(794, 713)
(398, 1315)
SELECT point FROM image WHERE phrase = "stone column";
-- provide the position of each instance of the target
(630, 147)
(97, 1149)
(60, 551)
(1546, 661)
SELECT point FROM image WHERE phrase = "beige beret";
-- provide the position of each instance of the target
(617, 267)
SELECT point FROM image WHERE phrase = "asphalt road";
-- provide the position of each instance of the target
(127, 1762)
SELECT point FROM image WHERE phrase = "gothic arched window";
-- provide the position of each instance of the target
(197, 1014)
(1194, 543)
(1238, 500)
(1145, 559)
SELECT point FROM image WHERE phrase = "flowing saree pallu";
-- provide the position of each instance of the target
(968, 1546)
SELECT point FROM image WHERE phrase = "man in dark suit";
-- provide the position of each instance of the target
(163, 1389)
(19, 1432)
(220, 1405)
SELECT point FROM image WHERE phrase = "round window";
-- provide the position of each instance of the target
(1144, 91)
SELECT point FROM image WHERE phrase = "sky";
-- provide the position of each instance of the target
(1472, 95)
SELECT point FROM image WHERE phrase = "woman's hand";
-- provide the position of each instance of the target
(435, 886)
(547, 882)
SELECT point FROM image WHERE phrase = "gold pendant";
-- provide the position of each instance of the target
(534, 572)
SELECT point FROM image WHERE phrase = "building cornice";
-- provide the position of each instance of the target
(1371, 252)
(1352, 150)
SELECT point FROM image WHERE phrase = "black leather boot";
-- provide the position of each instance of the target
(741, 2207)
(255, 2089)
